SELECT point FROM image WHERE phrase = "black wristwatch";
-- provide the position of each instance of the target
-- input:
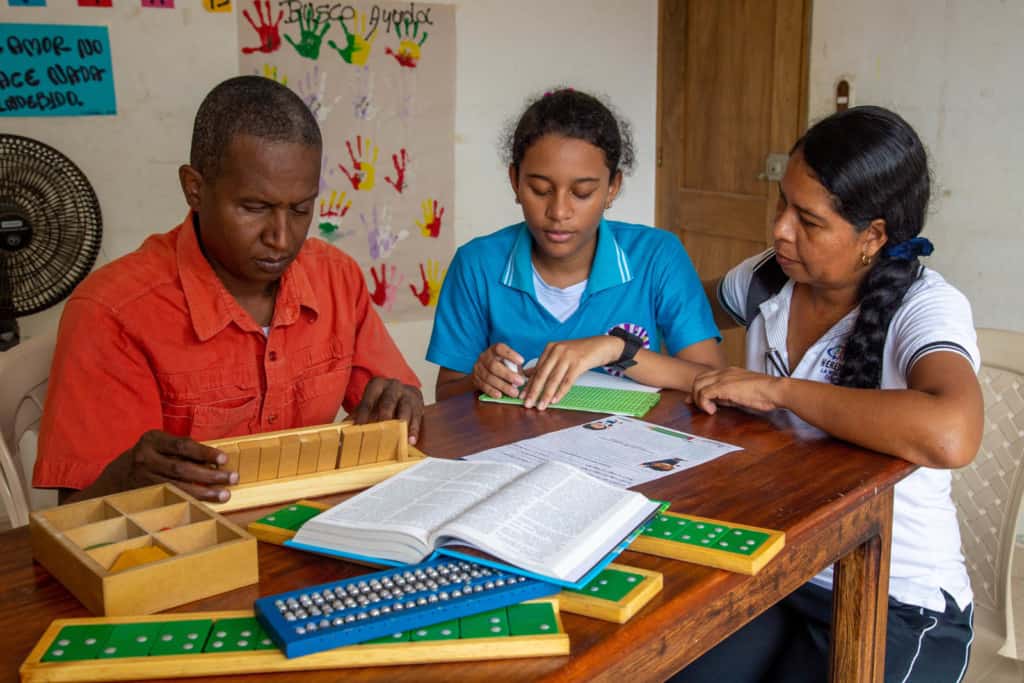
(633, 344)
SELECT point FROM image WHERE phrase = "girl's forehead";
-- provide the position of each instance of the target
(560, 150)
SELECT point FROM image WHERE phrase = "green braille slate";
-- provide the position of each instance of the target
(493, 624)
(531, 619)
(611, 584)
(290, 517)
(78, 642)
(446, 630)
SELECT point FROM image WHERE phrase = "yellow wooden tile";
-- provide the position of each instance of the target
(309, 453)
(328, 459)
(288, 466)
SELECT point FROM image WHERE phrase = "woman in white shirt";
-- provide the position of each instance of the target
(856, 338)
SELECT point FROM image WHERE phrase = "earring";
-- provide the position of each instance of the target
(865, 260)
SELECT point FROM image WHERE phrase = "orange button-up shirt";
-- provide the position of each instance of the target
(154, 341)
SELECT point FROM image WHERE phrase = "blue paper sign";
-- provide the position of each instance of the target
(26, 3)
(55, 70)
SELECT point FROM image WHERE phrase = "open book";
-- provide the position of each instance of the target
(552, 520)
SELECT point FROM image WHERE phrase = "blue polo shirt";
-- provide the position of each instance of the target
(641, 280)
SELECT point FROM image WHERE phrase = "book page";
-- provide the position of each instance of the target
(423, 497)
(619, 450)
(550, 520)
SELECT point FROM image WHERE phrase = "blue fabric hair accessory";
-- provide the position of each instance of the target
(910, 249)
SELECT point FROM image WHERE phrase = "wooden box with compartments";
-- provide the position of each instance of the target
(142, 551)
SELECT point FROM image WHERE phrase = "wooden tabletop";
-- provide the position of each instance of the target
(833, 501)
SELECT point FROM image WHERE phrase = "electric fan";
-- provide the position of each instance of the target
(50, 230)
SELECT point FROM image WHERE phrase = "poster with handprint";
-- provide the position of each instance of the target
(380, 80)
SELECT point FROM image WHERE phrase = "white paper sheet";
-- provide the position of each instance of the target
(619, 450)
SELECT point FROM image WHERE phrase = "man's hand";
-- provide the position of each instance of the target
(161, 457)
(389, 399)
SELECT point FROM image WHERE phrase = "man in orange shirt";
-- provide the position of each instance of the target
(230, 324)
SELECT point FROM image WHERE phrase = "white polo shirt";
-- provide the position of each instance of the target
(934, 316)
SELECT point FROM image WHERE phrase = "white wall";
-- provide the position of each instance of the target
(952, 68)
(166, 60)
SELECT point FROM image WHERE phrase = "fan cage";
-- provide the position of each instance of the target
(52, 194)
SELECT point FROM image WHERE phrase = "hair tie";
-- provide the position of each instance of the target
(910, 249)
(549, 93)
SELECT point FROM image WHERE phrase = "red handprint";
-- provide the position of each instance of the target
(399, 163)
(409, 47)
(424, 294)
(431, 224)
(269, 35)
(432, 279)
(362, 175)
(331, 213)
(383, 294)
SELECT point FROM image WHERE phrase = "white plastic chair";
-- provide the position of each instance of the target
(23, 374)
(988, 495)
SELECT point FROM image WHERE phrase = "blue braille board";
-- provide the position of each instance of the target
(375, 605)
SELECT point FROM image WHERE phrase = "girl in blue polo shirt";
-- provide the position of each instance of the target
(859, 340)
(566, 286)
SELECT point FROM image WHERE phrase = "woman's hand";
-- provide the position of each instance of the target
(738, 388)
(563, 362)
(494, 372)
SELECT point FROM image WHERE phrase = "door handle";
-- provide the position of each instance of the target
(774, 167)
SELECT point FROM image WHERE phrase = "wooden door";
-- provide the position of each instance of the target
(732, 77)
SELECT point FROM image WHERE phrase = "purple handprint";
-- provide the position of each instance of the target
(381, 238)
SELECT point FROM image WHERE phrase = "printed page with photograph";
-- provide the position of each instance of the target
(619, 450)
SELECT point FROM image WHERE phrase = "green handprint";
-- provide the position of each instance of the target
(310, 35)
(357, 44)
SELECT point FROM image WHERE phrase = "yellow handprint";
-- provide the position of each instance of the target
(363, 175)
(331, 212)
(270, 71)
(409, 44)
(432, 279)
(357, 43)
(431, 225)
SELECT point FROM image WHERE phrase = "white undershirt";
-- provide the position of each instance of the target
(561, 303)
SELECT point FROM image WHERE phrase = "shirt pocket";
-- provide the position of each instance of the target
(321, 379)
(202, 420)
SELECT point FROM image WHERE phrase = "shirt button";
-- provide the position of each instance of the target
(273, 355)
(271, 419)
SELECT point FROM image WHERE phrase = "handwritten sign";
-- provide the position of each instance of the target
(54, 70)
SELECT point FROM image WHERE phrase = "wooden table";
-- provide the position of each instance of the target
(833, 501)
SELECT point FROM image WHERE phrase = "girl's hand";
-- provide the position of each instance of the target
(738, 388)
(562, 362)
(494, 371)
